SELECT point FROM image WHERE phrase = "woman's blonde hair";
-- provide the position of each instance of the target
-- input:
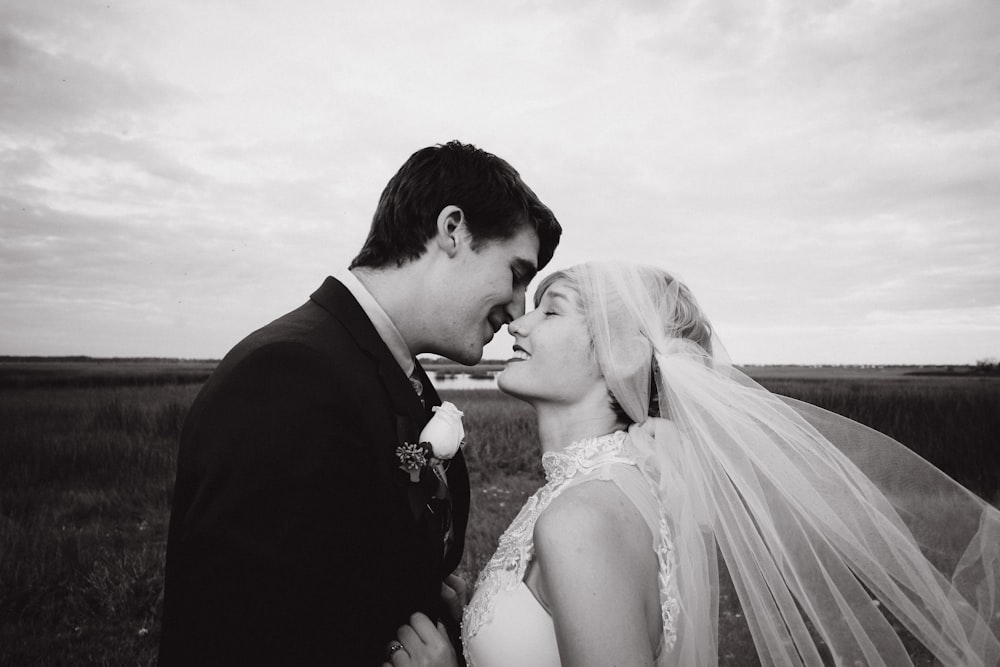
(687, 320)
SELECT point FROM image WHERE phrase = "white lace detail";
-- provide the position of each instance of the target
(515, 549)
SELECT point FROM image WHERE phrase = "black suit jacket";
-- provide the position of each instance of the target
(294, 536)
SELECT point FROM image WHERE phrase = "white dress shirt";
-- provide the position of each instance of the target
(387, 331)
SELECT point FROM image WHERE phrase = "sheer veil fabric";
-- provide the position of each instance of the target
(822, 522)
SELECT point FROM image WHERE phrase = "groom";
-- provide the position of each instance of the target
(295, 538)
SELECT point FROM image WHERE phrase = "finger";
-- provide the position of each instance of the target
(443, 631)
(409, 638)
(451, 602)
(457, 583)
(448, 594)
(424, 628)
(397, 655)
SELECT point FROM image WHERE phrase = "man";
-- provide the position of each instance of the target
(295, 537)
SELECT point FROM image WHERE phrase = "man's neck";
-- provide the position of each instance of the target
(397, 291)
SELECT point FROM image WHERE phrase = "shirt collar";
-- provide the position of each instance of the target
(387, 331)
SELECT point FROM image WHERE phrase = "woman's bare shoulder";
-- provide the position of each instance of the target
(597, 575)
(595, 516)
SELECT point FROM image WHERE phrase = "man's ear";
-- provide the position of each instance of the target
(450, 229)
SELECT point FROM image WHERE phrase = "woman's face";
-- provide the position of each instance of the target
(553, 359)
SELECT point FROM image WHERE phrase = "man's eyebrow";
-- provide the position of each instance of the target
(526, 269)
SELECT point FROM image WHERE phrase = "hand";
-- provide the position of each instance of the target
(424, 645)
(454, 596)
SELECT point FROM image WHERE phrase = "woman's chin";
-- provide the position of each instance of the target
(508, 383)
(503, 384)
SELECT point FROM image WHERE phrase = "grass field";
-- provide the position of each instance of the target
(87, 462)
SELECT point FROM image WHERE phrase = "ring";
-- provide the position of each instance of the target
(394, 646)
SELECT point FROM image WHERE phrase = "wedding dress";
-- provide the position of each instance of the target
(830, 531)
(504, 624)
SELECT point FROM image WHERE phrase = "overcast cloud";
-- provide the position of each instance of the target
(825, 175)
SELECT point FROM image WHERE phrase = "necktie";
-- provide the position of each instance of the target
(439, 504)
(417, 385)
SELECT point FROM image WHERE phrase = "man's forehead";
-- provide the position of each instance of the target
(525, 246)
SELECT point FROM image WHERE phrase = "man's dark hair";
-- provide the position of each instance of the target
(496, 203)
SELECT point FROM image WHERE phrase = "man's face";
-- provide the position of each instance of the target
(485, 291)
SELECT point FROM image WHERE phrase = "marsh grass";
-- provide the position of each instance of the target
(85, 481)
(87, 468)
(953, 423)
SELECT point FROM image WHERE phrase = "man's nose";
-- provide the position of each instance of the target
(515, 308)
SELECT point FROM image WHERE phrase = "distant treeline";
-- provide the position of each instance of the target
(83, 358)
(986, 367)
(88, 373)
(81, 371)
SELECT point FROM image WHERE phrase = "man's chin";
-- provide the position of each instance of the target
(466, 357)
(473, 358)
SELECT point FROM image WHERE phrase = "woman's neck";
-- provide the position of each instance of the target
(561, 425)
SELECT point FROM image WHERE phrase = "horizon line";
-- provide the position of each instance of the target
(81, 358)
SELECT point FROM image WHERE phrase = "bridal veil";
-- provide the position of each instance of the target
(826, 527)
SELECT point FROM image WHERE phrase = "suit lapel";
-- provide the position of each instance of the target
(338, 301)
(411, 415)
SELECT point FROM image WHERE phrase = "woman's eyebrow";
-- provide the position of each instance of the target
(556, 294)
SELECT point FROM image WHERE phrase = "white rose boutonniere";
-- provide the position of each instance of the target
(440, 440)
(444, 431)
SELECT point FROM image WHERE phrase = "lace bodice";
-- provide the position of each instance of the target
(515, 550)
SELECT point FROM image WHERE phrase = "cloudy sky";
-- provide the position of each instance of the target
(824, 174)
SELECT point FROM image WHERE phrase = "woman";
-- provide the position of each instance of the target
(657, 454)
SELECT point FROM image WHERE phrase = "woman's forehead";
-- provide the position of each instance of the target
(558, 289)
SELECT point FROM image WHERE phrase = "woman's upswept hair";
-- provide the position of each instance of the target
(686, 319)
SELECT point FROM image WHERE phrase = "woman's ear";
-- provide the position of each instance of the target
(450, 223)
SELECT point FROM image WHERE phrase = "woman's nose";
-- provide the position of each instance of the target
(517, 327)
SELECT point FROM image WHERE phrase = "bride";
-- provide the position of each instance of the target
(658, 455)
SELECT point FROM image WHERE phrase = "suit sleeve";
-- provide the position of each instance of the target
(280, 559)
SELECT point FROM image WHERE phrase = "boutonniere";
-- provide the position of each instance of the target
(439, 441)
